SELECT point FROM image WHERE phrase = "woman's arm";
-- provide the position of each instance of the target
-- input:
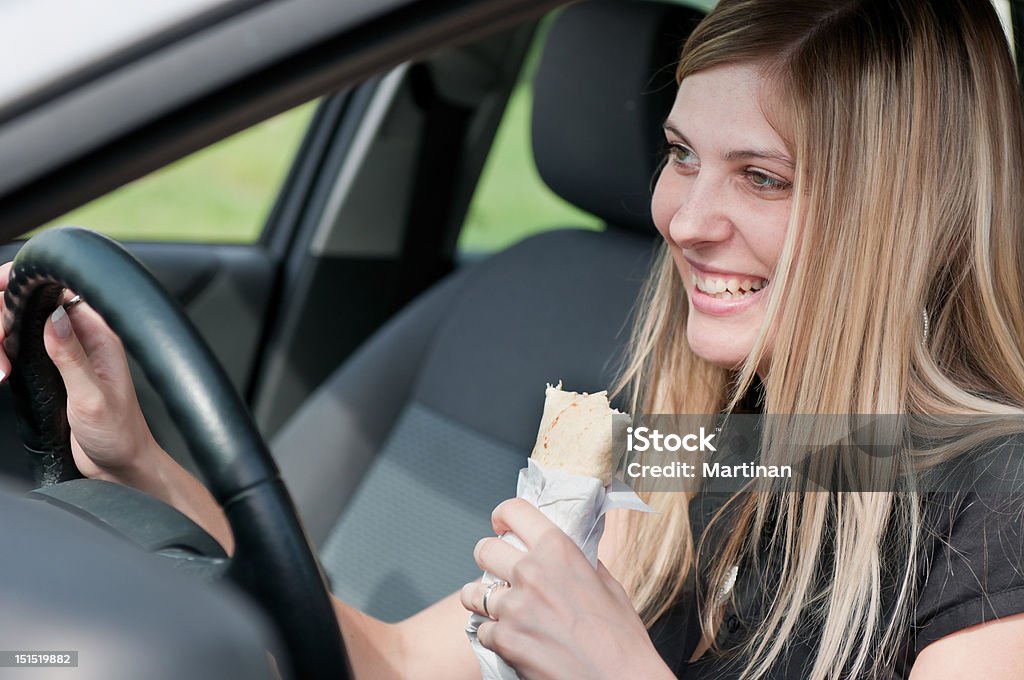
(431, 644)
(159, 475)
(992, 650)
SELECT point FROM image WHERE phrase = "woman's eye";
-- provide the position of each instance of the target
(765, 182)
(681, 154)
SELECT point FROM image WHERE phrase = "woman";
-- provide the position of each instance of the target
(841, 208)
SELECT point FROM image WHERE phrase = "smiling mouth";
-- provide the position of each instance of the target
(728, 288)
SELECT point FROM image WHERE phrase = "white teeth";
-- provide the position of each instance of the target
(727, 289)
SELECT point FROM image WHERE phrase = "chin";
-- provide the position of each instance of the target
(718, 347)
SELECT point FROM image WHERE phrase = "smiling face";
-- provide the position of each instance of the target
(722, 204)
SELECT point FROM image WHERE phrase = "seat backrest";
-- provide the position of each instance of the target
(398, 460)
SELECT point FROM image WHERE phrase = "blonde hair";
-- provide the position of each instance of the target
(904, 118)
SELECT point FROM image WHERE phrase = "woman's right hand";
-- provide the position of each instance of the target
(109, 435)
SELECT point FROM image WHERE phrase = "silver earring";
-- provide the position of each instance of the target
(924, 317)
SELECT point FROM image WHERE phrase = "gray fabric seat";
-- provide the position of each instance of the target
(398, 459)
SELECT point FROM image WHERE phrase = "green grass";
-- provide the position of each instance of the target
(511, 201)
(221, 194)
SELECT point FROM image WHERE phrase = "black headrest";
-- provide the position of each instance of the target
(605, 83)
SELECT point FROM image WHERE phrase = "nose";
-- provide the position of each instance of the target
(701, 218)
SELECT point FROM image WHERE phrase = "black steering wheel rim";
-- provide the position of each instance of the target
(273, 560)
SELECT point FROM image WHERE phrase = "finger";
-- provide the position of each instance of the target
(522, 519)
(496, 556)
(490, 637)
(5, 363)
(69, 357)
(473, 594)
(92, 329)
(466, 596)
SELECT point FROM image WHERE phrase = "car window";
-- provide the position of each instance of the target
(511, 201)
(220, 194)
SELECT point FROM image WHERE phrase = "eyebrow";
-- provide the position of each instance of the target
(738, 154)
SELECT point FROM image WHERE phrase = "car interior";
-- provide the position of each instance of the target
(398, 381)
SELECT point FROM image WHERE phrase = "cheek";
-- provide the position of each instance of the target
(768, 240)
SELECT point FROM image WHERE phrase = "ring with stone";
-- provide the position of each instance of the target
(487, 594)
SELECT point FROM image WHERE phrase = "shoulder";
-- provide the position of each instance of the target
(987, 650)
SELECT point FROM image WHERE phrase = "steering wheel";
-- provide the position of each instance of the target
(273, 559)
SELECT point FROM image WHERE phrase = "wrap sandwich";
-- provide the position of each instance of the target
(569, 477)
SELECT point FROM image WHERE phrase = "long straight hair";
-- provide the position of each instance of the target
(905, 122)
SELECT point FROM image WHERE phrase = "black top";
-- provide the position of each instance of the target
(975, 549)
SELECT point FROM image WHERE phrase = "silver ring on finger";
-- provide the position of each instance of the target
(487, 595)
(77, 300)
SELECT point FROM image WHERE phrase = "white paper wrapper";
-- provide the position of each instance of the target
(577, 505)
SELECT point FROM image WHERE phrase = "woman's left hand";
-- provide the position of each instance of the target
(560, 618)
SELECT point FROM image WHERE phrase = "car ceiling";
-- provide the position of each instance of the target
(154, 108)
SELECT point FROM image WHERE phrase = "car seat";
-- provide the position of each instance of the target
(397, 460)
